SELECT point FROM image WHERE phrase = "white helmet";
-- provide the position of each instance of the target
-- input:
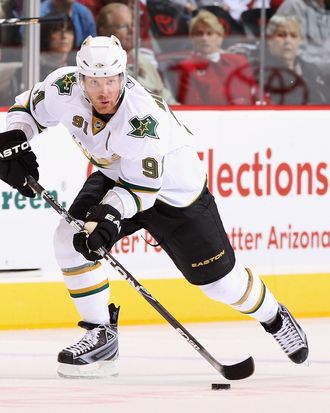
(101, 56)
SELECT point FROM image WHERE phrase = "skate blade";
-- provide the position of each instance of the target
(97, 370)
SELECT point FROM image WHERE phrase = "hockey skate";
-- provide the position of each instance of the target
(290, 336)
(96, 354)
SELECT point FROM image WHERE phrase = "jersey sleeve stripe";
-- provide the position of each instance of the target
(136, 198)
(136, 188)
(27, 110)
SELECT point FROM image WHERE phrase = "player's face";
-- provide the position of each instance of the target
(103, 92)
(206, 40)
(285, 41)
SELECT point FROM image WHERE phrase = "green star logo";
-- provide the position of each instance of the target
(143, 127)
(64, 84)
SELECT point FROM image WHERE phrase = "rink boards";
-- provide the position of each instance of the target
(269, 173)
(43, 305)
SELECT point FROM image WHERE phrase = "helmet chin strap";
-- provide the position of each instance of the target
(123, 82)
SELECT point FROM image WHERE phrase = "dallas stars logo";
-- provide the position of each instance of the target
(143, 127)
(64, 84)
(67, 81)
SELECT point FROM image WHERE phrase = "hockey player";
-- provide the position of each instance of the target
(149, 176)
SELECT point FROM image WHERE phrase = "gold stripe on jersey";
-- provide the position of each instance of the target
(26, 109)
(93, 289)
(136, 198)
(39, 97)
(190, 203)
(136, 188)
(195, 199)
(23, 109)
(132, 189)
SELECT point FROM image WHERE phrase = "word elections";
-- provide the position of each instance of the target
(14, 200)
(263, 176)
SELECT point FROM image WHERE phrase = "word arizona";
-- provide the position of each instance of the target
(298, 239)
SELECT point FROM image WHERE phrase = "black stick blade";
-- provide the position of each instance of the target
(240, 370)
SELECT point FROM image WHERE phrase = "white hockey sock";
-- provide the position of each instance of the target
(89, 288)
(245, 292)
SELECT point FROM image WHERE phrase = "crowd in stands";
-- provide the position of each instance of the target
(192, 52)
(210, 75)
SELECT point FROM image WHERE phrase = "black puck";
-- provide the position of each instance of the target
(220, 386)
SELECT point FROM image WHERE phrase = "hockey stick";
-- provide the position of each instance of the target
(233, 372)
(21, 21)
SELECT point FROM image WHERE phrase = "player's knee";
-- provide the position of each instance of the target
(63, 234)
(229, 288)
(64, 251)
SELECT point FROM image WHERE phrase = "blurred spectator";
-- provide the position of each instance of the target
(57, 42)
(188, 5)
(275, 4)
(16, 6)
(314, 19)
(10, 74)
(145, 38)
(11, 36)
(194, 5)
(289, 80)
(169, 21)
(116, 19)
(81, 16)
(211, 76)
(252, 21)
(12, 8)
(94, 5)
(235, 8)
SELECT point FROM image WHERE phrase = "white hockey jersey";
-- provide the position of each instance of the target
(143, 147)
